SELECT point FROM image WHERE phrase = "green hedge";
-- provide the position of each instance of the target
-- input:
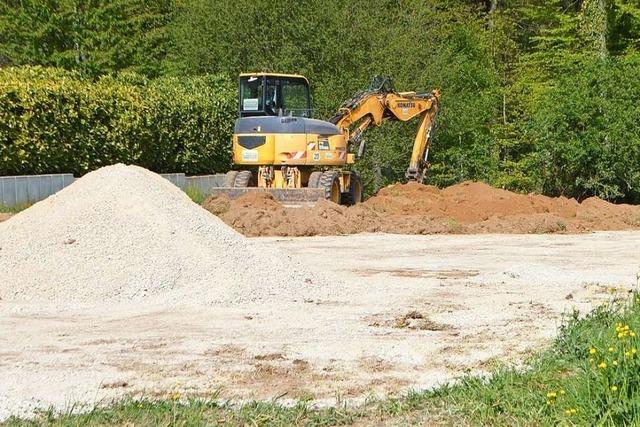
(54, 121)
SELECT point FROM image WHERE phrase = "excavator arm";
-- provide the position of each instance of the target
(381, 102)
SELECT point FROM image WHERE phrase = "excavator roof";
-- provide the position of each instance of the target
(264, 73)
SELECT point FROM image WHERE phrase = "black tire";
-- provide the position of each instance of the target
(354, 195)
(314, 179)
(230, 179)
(243, 179)
(330, 181)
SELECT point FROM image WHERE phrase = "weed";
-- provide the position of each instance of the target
(416, 320)
(453, 226)
(14, 209)
(195, 195)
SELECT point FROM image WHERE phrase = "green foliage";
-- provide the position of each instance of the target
(513, 75)
(55, 121)
(566, 128)
(94, 37)
(589, 137)
(14, 209)
(196, 412)
(195, 195)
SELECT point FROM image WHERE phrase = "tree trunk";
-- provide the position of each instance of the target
(492, 8)
(595, 25)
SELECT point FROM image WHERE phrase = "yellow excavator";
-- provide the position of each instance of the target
(279, 148)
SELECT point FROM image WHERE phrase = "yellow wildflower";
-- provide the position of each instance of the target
(633, 351)
(592, 350)
(551, 394)
(602, 365)
(611, 349)
(574, 410)
(615, 362)
(567, 411)
(562, 392)
(614, 388)
(633, 334)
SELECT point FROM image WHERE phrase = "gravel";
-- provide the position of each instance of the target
(123, 233)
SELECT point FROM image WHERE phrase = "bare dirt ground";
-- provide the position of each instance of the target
(412, 208)
(419, 311)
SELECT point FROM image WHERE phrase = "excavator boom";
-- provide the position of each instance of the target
(381, 102)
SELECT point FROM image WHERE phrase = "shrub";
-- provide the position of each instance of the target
(54, 121)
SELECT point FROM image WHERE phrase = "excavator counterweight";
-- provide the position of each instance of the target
(280, 149)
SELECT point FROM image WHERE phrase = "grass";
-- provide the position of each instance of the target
(195, 195)
(194, 413)
(14, 209)
(590, 375)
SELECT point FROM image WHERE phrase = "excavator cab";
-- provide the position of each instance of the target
(274, 95)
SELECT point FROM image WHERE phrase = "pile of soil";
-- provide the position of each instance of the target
(5, 216)
(122, 233)
(412, 208)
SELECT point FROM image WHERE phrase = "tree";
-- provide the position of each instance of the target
(594, 26)
(92, 36)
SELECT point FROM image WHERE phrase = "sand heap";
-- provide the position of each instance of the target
(124, 233)
(413, 208)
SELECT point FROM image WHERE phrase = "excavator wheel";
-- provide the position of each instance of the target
(354, 195)
(330, 182)
(230, 179)
(238, 179)
(314, 179)
(243, 179)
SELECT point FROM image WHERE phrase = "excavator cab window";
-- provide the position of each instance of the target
(274, 96)
(295, 97)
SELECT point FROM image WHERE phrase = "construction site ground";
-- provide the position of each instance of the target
(466, 208)
(410, 312)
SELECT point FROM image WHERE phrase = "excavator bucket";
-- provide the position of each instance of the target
(290, 197)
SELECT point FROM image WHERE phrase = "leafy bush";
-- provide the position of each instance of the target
(55, 121)
(588, 132)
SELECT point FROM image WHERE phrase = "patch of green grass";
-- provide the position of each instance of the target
(14, 209)
(195, 195)
(590, 375)
(194, 413)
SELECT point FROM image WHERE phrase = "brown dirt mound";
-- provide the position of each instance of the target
(470, 207)
(5, 216)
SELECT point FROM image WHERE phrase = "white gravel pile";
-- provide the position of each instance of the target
(124, 233)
